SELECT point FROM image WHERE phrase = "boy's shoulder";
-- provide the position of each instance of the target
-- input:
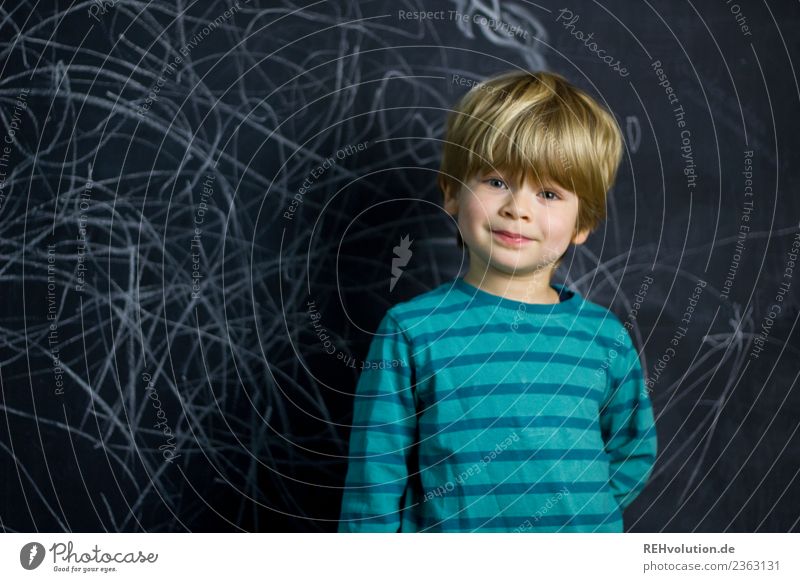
(426, 303)
(605, 323)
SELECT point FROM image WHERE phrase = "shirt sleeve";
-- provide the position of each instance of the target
(627, 425)
(382, 436)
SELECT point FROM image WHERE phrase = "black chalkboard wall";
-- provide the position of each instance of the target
(200, 206)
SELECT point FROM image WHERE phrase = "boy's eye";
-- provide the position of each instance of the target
(500, 184)
(496, 183)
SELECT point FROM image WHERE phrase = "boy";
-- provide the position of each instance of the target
(511, 404)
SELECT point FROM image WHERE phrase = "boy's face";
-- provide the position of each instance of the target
(544, 214)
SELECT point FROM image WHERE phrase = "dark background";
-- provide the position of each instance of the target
(259, 411)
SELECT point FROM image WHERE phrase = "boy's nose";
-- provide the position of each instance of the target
(516, 209)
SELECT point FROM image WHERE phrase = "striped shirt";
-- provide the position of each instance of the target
(476, 412)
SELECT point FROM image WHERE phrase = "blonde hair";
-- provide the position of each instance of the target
(534, 126)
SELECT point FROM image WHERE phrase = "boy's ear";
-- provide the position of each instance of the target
(581, 236)
(450, 197)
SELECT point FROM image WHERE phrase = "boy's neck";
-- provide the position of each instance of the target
(534, 288)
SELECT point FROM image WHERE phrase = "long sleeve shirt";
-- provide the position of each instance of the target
(476, 412)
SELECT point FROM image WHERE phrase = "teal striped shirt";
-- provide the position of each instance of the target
(475, 412)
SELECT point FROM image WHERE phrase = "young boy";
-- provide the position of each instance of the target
(499, 402)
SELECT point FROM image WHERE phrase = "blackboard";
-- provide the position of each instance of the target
(201, 204)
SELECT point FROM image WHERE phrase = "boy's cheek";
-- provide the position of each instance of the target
(473, 211)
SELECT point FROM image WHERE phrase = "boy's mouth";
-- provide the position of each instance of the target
(511, 238)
